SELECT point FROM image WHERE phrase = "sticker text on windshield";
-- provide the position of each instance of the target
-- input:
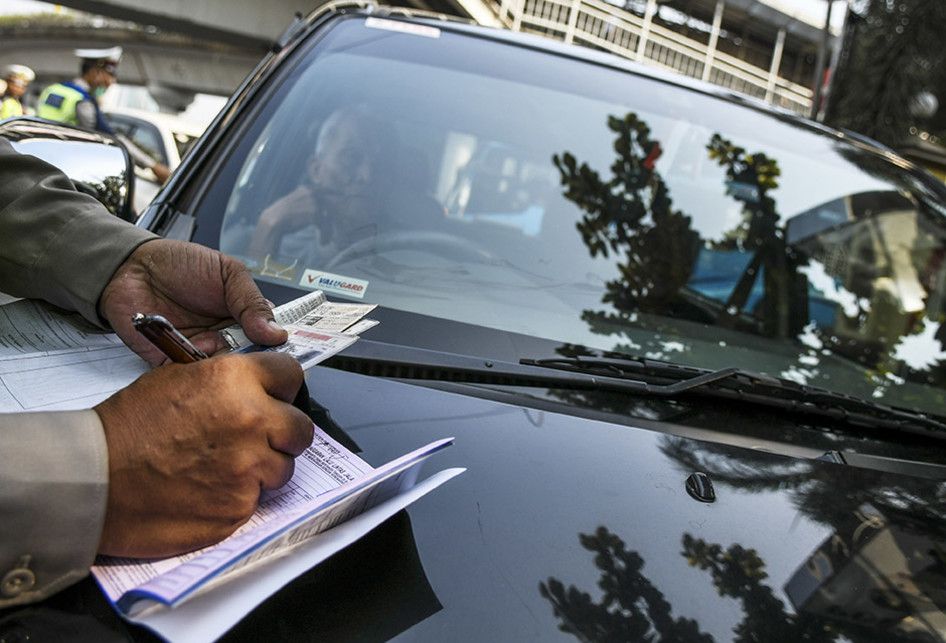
(337, 284)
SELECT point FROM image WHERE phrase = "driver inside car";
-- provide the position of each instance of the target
(337, 197)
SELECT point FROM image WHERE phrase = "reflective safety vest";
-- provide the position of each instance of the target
(10, 107)
(58, 103)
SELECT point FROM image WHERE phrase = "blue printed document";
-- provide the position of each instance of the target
(330, 487)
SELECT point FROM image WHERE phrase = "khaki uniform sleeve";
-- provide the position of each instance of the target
(58, 244)
(53, 493)
(62, 246)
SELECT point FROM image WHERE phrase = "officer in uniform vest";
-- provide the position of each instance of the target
(18, 78)
(76, 102)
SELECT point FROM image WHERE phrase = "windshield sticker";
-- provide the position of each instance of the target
(338, 284)
(403, 27)
(276, 270)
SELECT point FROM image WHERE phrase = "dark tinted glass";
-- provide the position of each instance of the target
(463, 178)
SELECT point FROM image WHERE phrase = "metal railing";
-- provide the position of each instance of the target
(603, 26)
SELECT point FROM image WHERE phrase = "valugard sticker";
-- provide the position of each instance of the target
(336, 284)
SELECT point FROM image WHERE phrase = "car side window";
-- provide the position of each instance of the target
(145, 135)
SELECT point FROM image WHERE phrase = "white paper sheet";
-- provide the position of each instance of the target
(55, 361)
(50, 360)
(208, 616)
(308, 346)
(313, 312)
(335, 317)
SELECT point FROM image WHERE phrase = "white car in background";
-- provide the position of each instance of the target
(164, 137)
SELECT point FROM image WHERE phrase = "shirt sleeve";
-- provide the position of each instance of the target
(58, 244)
(86, 114)
(53, 495)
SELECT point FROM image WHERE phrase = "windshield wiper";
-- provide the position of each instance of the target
(751, 387)
(625, 375)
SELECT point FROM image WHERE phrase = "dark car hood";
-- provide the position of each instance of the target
(565, 524)
(568, 524)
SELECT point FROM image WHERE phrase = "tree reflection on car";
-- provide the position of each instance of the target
(631, 215)
(837, 599)
(870, 246)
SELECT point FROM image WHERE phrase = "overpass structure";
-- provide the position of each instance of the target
(174, 67)
(246, 22)
(755, 47)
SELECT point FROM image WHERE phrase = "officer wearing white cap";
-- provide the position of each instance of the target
(76, 102)
(17, 78)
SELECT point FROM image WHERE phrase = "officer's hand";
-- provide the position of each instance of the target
(199, 290)
(190, 447)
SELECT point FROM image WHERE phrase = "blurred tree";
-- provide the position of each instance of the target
(891, 64)
(111, 192)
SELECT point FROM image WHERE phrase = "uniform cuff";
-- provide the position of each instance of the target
(53, 496)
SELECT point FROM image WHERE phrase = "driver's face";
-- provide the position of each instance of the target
(346, 165)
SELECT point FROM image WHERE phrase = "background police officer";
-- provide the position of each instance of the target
(76, 102)
(17, 78)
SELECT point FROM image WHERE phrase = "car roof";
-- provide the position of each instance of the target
(171, 122)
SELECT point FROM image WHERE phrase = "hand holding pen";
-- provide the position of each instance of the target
(190, 447)
(170, 341)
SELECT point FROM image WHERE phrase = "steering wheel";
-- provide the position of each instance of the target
(443, 244)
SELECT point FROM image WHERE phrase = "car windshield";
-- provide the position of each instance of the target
(464, 178)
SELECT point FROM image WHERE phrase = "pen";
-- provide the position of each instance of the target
(170, 341)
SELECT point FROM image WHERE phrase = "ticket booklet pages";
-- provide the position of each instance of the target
(330, 485)
(312, 312)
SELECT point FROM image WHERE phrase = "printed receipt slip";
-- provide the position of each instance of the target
(312, 312)
(330, 486)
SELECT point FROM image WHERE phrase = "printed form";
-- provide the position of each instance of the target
(324, 466)
(328, 491)
(50, 360)
(313, 312)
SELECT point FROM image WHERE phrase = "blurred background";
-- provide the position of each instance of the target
(868, 66)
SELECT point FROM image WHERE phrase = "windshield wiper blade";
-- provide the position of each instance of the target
(752, 387)
(637, 377)
(613, 368)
